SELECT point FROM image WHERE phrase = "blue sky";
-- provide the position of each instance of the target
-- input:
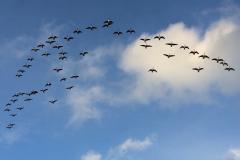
(118, 110)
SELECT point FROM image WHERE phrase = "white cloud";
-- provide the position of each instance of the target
(135, 145)
(82, 104)
(233, 154)
(175, 81)
(91, 155)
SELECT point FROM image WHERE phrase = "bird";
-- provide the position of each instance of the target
(46, 54)
(62, 53)
(193, 52)
(146, 46)
(217, 59)
(8, 104)
(229, 69)
(57, 46)
(28, 94)
(53, 101)
(83, 53)
(34, 49)
(74, 76)
(62, 58)
(118, 33)
(19, 108)
(43, 90)
(107, 23)
(57, 69)
(63, 79)
(68, 38)
(152, 70)
(13, 114)
(41, 45)
(145, 39)
(48, 84)
(28, 99)
(184, 47)
(91, 27)
(53, 37)
(159, 37)
(171, 44)
(169, 55)
(130, 31)
(13, 100)
(50, 42)
(33, 92)
(224, 63)
(69, 88)
(203, 56)
(21, 71)
(27, 65)
(30, 59)
(19, 75)
(198, 69)
(77, 31)
(7, 110)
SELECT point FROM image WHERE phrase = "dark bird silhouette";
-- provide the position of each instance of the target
(159, 37)
(41, 45)
(229, 69)
(57, 46)
(27, 65)
(34, 92)
(53, 101)
(19, 75)
(28, 99)
(62, 58)
(21, 71)
(57, 69)
(198, 69)
(77, 31)
(50, 42)
(68, 38)
(19, 108)
(91, 27)
(13, 100)
(171, 44)
(145, 39)
(169, 55)
(13, 114)
(7, 110)
(107, 23)
(217, 59)
(28, 94)
(69, 88)
(131, 31)
(152, 70)
(184, 47)
(63, 79)
(53, 37)
(83, 53)
(10, 125)
(34, 49)
(46, 54)
(193, 52)
(118, 33)
(30, 59)
(44, 90)
(8, 104)
(146, 46)
(203, 56)
(74, 76)
(48, 84)
(62, 53)
(223, 63)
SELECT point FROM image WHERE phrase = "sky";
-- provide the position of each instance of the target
(117, 109)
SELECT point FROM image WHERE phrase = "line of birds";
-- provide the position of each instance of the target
(52, 42)
(184, 47)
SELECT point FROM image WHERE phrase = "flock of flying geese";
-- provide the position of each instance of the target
(52, 42)
(184, 47)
